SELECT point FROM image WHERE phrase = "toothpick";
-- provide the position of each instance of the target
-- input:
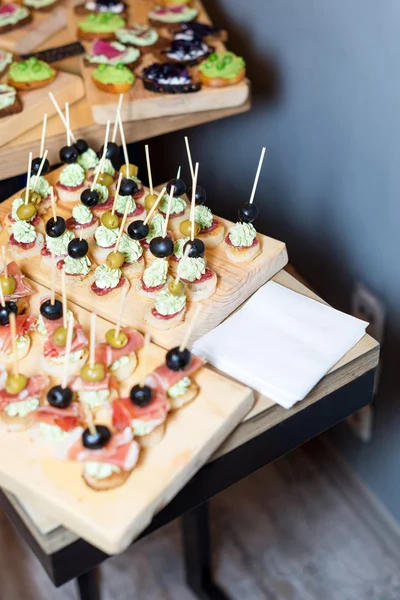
(3, 256)
(64, 298)
(103, 157)
(154, 207)
(121, 130)
(60, 114)
(13, 327)
(80, 233)
(189, 329)
(181, 263)
(178, 173)
(189, 156)
(67, 121)
(89, 418)
(171, 194)
(92, 339)
(116, 194)
(53, 278)
(2, 299)
(121, 311)
(145, 354)
(146, 149)
(253, 192)
(68, 345)
(121, 228)
(43, 135)
(118, 111)
(192, 206)
(28, 178)
(53, 204)
(38, 174)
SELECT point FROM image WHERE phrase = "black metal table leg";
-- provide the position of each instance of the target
(197, 550)
(88, 585)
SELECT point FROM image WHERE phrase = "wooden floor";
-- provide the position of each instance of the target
(295, 530)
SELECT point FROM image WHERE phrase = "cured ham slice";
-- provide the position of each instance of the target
(79, 342)
(108, 383)
(163, 378)
(24, 323)
(22, 288)
(106, 49)
(64, 418)
(34, 389)
(106, 354)
(124, 411)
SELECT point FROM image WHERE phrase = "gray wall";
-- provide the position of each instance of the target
(327, 106)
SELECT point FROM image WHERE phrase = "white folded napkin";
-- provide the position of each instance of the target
(281, 343)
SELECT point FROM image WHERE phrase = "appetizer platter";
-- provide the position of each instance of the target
(168, 59)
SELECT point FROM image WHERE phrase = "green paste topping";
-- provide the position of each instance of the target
(42, 187)
(113, 74)
(131, 248)
(82, 214)
(77, 266)
(180, 388)
(23, 232)
(106, 22)
(102, 191)
(59, 245)
(222, 64)
(178, 204)
(138, 35)
(121, 203)
(178, 246)
(156, 227)
(29, 70)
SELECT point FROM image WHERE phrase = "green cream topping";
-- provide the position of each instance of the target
(242, 234)
(15, 17)
(179, 245)
(88, 160)
(82, 214)
(121, 203)
(52, 433)
(15, 206)
(102, 191)
(203, 216)
(120, 362)
(131, 248)
(100, 470)
(21, 409)
(42, 187)
(113, 74)
(156, 273)
(107, 278)
(38, 3)
(140, 427)
(105, 22)
(23, 232)
(72, 175)
(73, 357)
(193, 268)
(164, 15)
(8, 94)
(156, 228)
(105, 237)
(107, 168)
(94, 398)
(180, 388)
(77, 266)
(130, 56)
(138, 35)
(59, 245)
(222, 64)
(178, 204)
(168, 304)
(29, 70)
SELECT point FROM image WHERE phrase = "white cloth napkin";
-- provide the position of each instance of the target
(281, 343)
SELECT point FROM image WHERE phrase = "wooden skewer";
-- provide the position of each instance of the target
(53, 278)
(3, 256)
(121, 130)
(171, 194)
(43, 135)
(145, 353)
(92, 348)
(80, 233)
(60, 114)
(67, 121)
(178, 173)
(118, 111)
(193, 203)
(13, 327)
(121, 228)
(53, 204)
(70, 329)
(154, 207)
(64, 298)
(28, 177)
(116, 194)
(189, 155)
(253, 192)
(181, 263)
(146, 149)
(121, 311)
(189, 329)
(103, 157)
(38, 174)
(2, 299)
(89, 418)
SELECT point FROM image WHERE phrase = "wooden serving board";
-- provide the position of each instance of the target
(66, 88)
(43, 25)
(235, 284)
(112, 520)
(140, 103)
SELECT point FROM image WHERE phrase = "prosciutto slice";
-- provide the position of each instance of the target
(50, 349)
(23, 323)
(64, 418)
(106, 49)
(106, 354)
(108, 383)
(22, 289)
(163, 378)
(34, 389)
(121, 451)
(124, 411)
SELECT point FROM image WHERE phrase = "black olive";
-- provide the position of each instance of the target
(50, 311)
(95, 441)
(55, 228)
(162, 247)
(60, 397)
(81, 146)
(177, 360)
(9, 307)
(141, 395)
(197, 248)
(78, 248)
(179, 186)
(90, 198)
(248, 213)
(113, 153)
(68, 154)
(36, 165)
(201, 195)
(128, 187)
(137, 230)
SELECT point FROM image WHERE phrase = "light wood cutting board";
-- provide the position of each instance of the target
(43, 25)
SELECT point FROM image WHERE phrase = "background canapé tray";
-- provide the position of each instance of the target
(43, 25)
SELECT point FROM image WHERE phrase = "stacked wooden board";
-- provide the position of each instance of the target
(23, 40)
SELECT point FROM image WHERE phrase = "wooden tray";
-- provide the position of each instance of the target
(140, 103)
(111, 520)
(66, 88)
(235, 284)
(43, 26)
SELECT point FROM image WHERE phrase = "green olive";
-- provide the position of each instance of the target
(15, 384)
(105, 179)
(186, 228)
(60, 336)
(35, 198)
(8, 284)
(109, 220)
(149, 201)
(116, 342)
(176, 289)
(26, 212)
(93, 373)
(129, 170)
(115, 260)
